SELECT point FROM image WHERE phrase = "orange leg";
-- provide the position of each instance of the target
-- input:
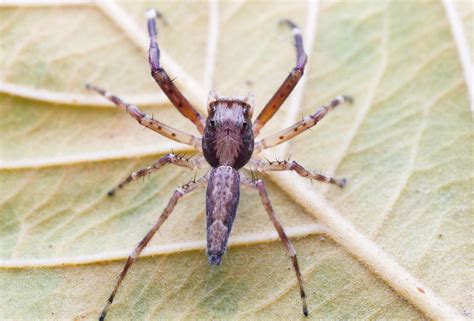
(150, 122)
(164, 81)
(299, 127)
(179, 192)
(194, 163)
(287, 86)
(265, 166)
(260, 187)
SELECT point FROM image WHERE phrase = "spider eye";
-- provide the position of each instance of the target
(212, 123)
(244, 124)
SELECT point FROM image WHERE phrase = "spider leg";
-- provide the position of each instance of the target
(194, 163)
(178, 193)
(263, 166)
(301, 126)
(164, 81)
(288, 84)
(148, 121)
(260, 187)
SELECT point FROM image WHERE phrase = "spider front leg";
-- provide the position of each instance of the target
(262, 166)
(301, 126)
(178, 193)
(164, 81)
(194, 163)
(150, 122)
(287, 86)
(260, 187)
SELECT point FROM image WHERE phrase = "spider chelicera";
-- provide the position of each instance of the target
(228, 145)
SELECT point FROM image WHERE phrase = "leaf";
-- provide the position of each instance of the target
(405, 146)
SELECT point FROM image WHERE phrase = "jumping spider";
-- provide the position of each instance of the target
(227, 144)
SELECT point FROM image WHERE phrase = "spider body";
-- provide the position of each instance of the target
(228, 145)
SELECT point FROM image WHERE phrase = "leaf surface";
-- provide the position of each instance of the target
(405, 147)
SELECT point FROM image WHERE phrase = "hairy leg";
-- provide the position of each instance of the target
(193, 163)
(178, 193)
(299, 127)
(265, 166)
(164, 81)
(150, 122)
(260, 187)
(288, 84)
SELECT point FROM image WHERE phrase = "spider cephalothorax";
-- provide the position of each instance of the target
(227, 145)
(228, 136)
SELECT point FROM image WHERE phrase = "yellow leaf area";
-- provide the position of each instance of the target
(405, 146)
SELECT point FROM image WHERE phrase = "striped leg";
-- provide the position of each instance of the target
(194, 163)
(288, 84)
(260, 187)
(301, 126)
(178, 193)
(150, 122)
(263, 166)
(164, 81)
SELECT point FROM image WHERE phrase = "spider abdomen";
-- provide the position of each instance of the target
(222, 199)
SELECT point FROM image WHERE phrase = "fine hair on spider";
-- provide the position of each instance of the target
(227, 145)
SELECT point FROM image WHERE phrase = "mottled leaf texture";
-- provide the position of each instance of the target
(405, 145)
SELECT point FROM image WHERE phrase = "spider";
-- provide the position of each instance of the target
(227, 145)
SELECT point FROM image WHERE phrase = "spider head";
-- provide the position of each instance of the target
(228, 136)
(247, 102)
